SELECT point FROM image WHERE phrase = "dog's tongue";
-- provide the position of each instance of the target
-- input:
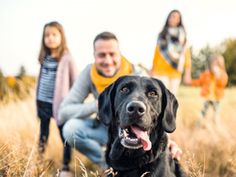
(143, 136)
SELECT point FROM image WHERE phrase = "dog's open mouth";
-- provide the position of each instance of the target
(135, 138)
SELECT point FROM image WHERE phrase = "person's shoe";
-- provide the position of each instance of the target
(201, 115)
(200, 120)
(65, 168)
(41, 147)
(65, 172)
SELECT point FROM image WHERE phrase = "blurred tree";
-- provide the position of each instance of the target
(3, 86)
(14, 88)
(1, 74)
(199, 60)
(22, 72)
(229, 54)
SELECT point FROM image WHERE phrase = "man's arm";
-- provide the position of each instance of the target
(73, 105)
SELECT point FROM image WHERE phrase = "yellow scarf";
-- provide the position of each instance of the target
(102, 82)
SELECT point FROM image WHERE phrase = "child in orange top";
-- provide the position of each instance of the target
(212, 82)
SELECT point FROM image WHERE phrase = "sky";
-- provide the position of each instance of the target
(136, 23)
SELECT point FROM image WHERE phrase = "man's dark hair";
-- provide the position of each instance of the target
(104, 36)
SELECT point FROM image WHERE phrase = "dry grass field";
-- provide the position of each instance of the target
(209, 150)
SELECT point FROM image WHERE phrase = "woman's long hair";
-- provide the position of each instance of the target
(162, 34)
(60, 50)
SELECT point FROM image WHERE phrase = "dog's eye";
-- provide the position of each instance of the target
(152, 94)
(124, 89)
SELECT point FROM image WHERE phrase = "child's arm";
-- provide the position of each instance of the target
(198, 82)
(222, 80)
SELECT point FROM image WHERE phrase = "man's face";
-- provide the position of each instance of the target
(107, 57)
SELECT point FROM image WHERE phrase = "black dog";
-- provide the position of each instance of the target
(139, 111)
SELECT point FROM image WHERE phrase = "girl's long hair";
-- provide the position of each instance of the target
(220, 61)
(44, 50)
(162, 34)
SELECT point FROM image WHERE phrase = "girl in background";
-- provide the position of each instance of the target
(172, 57)
(57, 74)
(212, 82)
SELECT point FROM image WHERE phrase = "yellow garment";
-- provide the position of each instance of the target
(102, 82)
(211, 95)
(162, 68)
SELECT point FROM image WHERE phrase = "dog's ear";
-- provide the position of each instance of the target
(169, 109)
(169, 117)
(106, 103)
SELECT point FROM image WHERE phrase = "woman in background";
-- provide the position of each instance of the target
(172, 56)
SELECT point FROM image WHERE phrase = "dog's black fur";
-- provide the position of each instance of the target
(144, 104)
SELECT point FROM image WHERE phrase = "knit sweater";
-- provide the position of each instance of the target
(65, 77)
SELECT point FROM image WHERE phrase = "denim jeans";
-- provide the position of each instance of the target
(87, 136)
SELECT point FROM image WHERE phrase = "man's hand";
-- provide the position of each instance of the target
(174, 149)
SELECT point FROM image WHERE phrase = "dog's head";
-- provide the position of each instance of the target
(136, 107)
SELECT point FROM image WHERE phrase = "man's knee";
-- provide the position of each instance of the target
(73, 132)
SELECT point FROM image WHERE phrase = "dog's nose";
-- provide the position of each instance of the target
(136, 108)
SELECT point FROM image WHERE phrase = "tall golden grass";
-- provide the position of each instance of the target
(14, 88)
(209, 150)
